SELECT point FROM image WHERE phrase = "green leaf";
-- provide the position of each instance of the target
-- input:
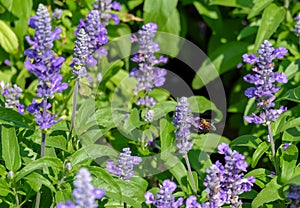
(292, 69)
(272, 16)
(291, 135)
(163, 108)
(232, 3)
(57, 142)
(8, 39)
(4, 188)
(246, 141)
(247, 31)
(211, 14)
(10, 148)
(200, 104)
(13, 118)
(259, 152)
(159, 94)
(45, 162)
(36, 181)
(64, 195)
(281, 124)
(166, 16)
(22, 10)
(221, 60)
(180, 173)
(85, 112)
(158, 11)
(259, 5)
(268, 194)
(105, 181)
(287, 125)
(133, 191)
(209, 142)
(261, 175)
(166, 134)
(294, 180)
(288, 160)
(292, 95)
(93, 152)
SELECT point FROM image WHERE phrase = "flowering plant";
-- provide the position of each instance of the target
(149, 103)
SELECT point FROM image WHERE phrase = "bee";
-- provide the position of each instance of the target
(206, 126)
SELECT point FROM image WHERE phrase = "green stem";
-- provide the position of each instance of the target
(286, 5)
(38, 199)
(63, 106)
(43, 147)
(272, 143)
(17, 198)
(74, 105)
(190, 172)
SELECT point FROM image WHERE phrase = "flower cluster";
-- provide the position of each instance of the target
(293, 194)
(183, 120)
(12, 95)
(164, 198)
(105, 8)
(44, 65)
(84, 193)
(124, 166)
(81, 53)
(297, 25)
(264, 80)
(148, 75)
(97, 36)
(224, 183)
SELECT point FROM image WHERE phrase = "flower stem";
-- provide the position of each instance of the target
(190, 172)
(43, 147)
(286, 5)
(17, 198)
(272, 143)
(43, 144)
(125, 205)
(38, 199)
(74, 105)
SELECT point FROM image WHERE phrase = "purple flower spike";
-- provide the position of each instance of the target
(183, 120)
(12, 96)
(84, 193)
(164, 198)
(264, 82)
(105, 8)
(293, 194)
(124, 166)
(44, 65)
(81, 52)
(148, 75)
(297, 25)
(224, 183)
(97, 37)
